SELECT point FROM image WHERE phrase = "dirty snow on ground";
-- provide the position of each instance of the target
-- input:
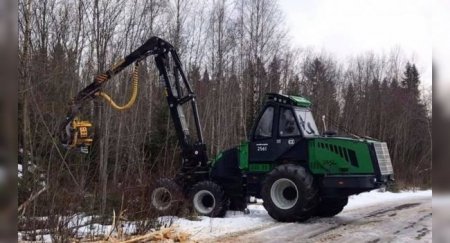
(234, 222)
(204, 228)
(80, 224)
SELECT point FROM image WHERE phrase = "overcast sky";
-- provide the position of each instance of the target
(351, 27)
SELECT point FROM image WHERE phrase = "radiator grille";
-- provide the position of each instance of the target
(384, 160)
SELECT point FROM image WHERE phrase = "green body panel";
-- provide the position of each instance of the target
(300, 101)
(323, 157)
(261, 167)
(339, 156)
(243, 156)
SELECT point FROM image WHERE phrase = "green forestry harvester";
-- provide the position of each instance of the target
(298, 172)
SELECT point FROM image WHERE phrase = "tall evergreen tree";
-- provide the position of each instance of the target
(205, 78)
(320, 88)
(194, 75)
(274, 76)
(261, 82)
(411, 80)
(294, 86)
(374, 107)
(350, 105)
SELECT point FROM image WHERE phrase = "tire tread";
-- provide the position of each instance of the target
(222, 201)
(309, 193)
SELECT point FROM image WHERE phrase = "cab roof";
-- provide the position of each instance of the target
(289, 99)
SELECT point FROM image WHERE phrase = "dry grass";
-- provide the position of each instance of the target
(162, 235)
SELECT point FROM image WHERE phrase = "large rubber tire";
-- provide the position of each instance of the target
(167, 197)
(289, 193)
(209, 199)
(329, 207)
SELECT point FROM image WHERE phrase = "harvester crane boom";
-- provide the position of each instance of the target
(73, 132)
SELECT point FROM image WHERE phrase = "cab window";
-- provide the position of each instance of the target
(287, 124)
(264, 128)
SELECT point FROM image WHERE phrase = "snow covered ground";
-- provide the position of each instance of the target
(80, 224)
(237, 223)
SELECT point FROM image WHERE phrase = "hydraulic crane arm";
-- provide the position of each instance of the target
(73, 132)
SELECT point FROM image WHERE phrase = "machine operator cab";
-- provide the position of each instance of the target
(281, 130)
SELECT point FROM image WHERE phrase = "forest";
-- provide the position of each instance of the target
(233, 52)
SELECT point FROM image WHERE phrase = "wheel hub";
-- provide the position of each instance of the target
(284, 193)
(161, 198)
(204, 202)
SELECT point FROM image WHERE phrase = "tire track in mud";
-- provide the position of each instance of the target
(406, 219)
(421, 232)
(397, 208)
(378, 225)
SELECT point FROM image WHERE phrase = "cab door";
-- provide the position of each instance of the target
(276, 137)
(289, 141)
(262, 138)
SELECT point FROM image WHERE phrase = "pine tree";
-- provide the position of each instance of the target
(205, 78)
(274, 76)
(374, 107)
(314, 74)
(411, 81)
(194, 75)
(320, 88)
(250, 93)
(384, 105)
(294, 86)
(261, 82)
(350, 106)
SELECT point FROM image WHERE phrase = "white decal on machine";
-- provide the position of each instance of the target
(261, 147)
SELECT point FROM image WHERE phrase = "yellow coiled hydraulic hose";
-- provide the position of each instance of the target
(134, 92)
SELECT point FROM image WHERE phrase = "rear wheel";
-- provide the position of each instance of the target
(329, 207)
(167, 197)
(289, 193)
(209, 199)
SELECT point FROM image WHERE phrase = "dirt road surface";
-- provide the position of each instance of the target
(407, 220)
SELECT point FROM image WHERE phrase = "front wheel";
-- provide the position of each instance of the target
(289, 193)
(209, 199)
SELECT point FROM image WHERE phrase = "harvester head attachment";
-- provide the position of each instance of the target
(77, 135)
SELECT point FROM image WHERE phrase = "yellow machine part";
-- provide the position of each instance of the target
(134, 92)
(81, 136)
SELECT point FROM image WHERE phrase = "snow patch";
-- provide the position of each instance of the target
(377, 197)
(81, 225)
(234, 221)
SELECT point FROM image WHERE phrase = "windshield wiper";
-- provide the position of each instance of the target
(311, 130)
(302, 122)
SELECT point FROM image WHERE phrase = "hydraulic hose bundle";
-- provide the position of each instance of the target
(134, 92)
(80, 129)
